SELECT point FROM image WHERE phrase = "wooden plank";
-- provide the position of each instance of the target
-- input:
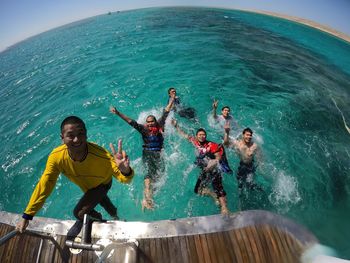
(294, 245)
(275, 254)
(237, 251)
(241, 246)
(229, 245)
(172, 250)
(247, 244)
(183, 249)
(153, 249)
(205, 249)
(192, 250)
(165, 249)
(159, 249)
(221, 248)
(211, 247)
(177, 250)
(9, 250)
(253, 244)
(258, 242)
(145, 250)
(199, 249)
(265, 243)
(281, 237)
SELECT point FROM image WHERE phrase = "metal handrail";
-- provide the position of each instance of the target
(130, 256)
(8, 236)
(13, 233)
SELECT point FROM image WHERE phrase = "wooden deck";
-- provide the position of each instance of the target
(245, 243)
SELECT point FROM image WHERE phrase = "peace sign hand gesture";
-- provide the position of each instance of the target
(121, 159)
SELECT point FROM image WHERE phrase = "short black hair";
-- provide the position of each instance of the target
(72, 120)
(199, 130)
(247, 130)
(154, 117)
(225, 108)
(171, 88)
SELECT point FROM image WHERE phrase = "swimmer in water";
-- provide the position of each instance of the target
(248, 151)
(224, 117)
(185, 112)
(208, 157)
(152, 136)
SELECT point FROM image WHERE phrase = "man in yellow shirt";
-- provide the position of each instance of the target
(87, 165)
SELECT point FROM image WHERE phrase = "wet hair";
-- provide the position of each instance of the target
(247, 130)
(72, 120)
(201, 130)
(155, 119)
(170, 89)
(226, 107)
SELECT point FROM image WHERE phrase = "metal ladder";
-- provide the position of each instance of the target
(129, 248)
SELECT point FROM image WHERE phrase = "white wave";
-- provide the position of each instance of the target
(22, 127)
(285, 190)
(342, 115)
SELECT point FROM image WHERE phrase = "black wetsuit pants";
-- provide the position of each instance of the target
(91, 199)
(154, 164)
(245, 175)
(216, 180)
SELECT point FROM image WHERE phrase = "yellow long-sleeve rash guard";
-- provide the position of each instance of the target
(97, 168)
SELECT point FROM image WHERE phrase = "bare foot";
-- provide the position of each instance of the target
(148, 204)
(206, 191)
(224, 210)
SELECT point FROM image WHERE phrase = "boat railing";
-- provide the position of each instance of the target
(128, 248)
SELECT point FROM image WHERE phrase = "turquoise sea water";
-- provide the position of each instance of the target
(288, 82)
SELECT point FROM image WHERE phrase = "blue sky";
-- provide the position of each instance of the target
(20, 19)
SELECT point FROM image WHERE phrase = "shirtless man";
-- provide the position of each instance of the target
(247, 151)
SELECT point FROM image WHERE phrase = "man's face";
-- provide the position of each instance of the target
(225, 112)
(151, 121)
(172, 91)
(201, 136)
(74, 136)
(247, 137)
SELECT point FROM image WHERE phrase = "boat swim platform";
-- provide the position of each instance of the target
(247, 236)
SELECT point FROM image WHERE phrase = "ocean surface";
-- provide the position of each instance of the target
(287, 82)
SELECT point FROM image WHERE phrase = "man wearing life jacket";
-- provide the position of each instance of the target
(209, 156)
(152, 136)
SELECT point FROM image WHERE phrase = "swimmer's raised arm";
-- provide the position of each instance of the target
(227, 141)
(114, 110)
(171, 102)
(215, 106)
(179, 130)
(227, 133)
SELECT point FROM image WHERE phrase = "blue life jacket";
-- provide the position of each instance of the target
(153, 141)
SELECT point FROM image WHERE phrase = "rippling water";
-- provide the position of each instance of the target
(288, 82)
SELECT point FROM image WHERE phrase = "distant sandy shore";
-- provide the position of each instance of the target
(306, 22)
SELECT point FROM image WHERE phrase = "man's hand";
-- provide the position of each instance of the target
(22, 225)
(174, 122)
(121, 159)
(113, 110)
(215, 104)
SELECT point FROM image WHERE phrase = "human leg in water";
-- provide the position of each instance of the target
(147, 201)
(154, 165)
